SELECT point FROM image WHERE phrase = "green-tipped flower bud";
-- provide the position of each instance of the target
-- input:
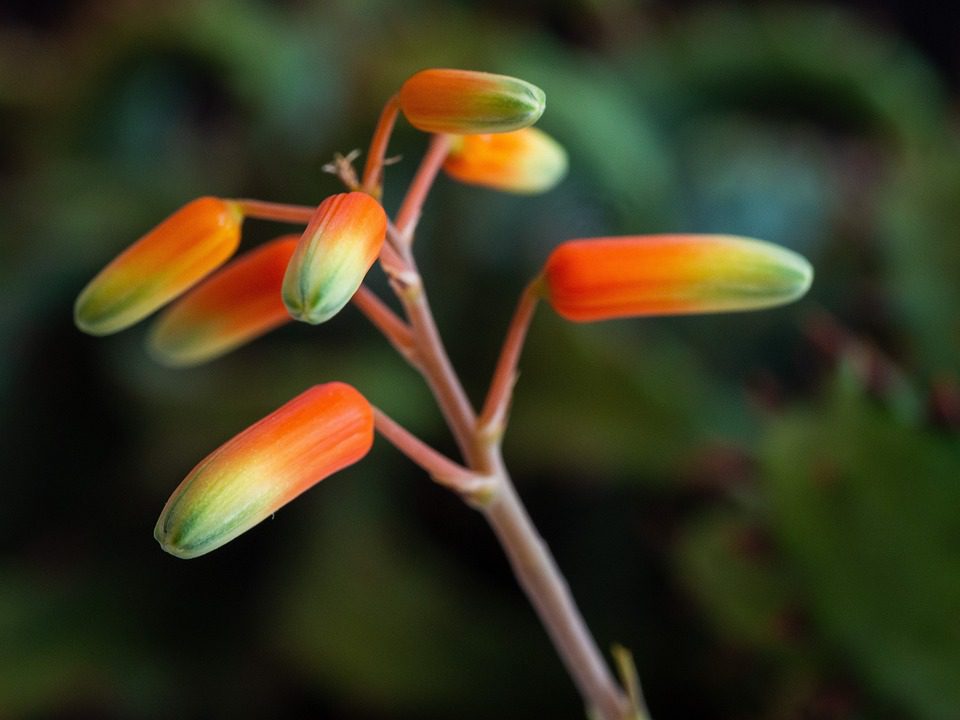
(464, 102)
(333, 256)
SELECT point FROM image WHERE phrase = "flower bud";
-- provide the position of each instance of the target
(176, 254)
(524, 161)
(604, 278)
(336, 250)
(235, 305)
(319, 432)
(464, 102)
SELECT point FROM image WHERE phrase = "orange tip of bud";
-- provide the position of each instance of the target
(171, 258)
(602, 278)
(246, 480)
(524, 161)
(235, 305)
(465, 102)
(333, 256)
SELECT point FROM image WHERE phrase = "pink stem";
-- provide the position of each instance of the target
(545, 587)
(280, 212)
(493, 418)
(409, 212)
(496, 498)
(434, 363)
(373, 168)
(395, 330)
(441, 468)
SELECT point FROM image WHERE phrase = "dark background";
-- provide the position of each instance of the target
(763, 507)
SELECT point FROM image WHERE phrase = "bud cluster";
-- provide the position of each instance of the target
(482, 135)
(486, 121)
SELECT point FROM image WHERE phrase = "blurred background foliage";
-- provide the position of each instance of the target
(763, 507)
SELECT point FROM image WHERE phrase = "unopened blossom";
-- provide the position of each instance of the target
(464, 102)
(601, 278)
(168, 260)
(333, 256)
(246, 480)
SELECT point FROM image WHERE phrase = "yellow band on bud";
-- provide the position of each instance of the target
(246, 480)
(235, 305)
(524, 161)
(168, 260)
(465, 102)
(602, 278)
(333, 256)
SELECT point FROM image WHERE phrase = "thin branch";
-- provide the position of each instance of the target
(373, 169)
(393, 328)
(279, 212)
(493, 417)
(442, 469)
(391, 253)
(409, 213)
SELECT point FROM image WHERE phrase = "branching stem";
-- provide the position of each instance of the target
(441, 468)
(483, 482)
(479, 443)
(529, 556)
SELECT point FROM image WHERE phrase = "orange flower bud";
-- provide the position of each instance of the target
(604, 278)
(466, 102)
(319, 432)
(523, 161)
(176, 254)
(233, 306)
(336, 250)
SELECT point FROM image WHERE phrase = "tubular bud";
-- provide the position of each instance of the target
(602, 278)
(233, 306)
(319, 432)
(175, 255)
(336, 250)
(465, 102)
(524, 161)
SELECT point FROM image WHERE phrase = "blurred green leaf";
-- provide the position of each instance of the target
(866, 509)
(919, 216)
(748, 595)
(65, 642)
(820, 65)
